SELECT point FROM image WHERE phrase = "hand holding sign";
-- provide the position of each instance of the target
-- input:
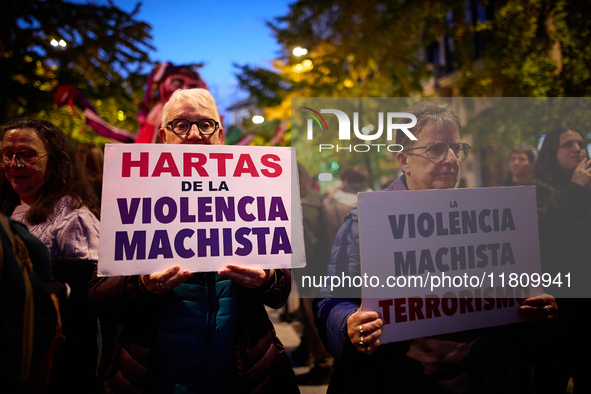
(364, 329)
(164, 281)
(247, 277)
(541, 309)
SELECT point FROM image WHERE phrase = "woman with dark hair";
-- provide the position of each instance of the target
(43, 186)
(562, 175)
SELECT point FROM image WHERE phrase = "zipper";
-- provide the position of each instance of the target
(211, 312)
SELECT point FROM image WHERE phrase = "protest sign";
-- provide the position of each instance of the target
(200, 207)
(442, 261)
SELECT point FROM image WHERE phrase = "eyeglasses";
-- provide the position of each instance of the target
(438, 150)
(28, 156)
(183, 126)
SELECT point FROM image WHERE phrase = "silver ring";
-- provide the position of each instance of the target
(549, 314)
(162, 287)
(361, 330)
(246, 279)
(361, 344)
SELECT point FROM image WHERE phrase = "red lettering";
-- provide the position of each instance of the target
(245, 165)
(189, 164)
(466, 301)
(221, 158)
(415, 309)
(266, 161)
(449, 305)
(166, 164)
(432, 306)
(399, 310)
(127, 163)
(385, 305)
(490, 302)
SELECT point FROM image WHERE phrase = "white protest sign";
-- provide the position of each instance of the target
(442, 261)
(200, 207)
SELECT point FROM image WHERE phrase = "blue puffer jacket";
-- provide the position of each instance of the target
(197, 336)
(160, 330)
(491, 360)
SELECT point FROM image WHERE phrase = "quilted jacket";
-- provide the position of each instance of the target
(260, 362)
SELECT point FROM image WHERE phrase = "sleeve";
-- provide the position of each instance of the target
(78, 235)
(333, 306)
(564, 233)
(117, 296)
(38, 252)
(276, 292)
(573, 200)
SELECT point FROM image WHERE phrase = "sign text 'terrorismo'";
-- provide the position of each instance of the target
(444, 257)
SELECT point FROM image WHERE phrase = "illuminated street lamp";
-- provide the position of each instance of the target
(60, 43)
(298, 51)
(257, 119)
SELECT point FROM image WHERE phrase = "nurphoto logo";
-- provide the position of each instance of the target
(363, 133)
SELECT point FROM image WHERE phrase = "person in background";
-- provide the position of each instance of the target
(344, 199)
(163, 81)
(24, 259)
(43, 187)
(317, 253)
(521, 159)
(92, 158)
(196, 333)
(489, 360)
(562, 176)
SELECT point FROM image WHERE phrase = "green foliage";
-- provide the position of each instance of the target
(377, 48)
(105, 52)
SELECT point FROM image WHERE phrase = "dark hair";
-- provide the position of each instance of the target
(546, 168)
(305, 180)
(524, 149)
(91, 157)
(65, 176)
(427, 113)
(356, 174)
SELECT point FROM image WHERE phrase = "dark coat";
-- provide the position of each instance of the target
(564, 220)
(261, 362)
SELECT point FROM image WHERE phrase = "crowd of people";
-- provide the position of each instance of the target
(182, 332)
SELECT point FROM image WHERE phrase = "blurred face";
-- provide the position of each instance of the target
(571, 151)
(27, 169)
(519, 164)
(189, 112)
(174, 82)
(424, 173)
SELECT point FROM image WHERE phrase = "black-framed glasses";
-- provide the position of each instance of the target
(26, 156)
(183, 126)
(438, 150)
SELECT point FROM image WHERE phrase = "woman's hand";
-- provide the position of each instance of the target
(364, 329)
(247, 277)
(582, 174)
(540, 309)
(164, 281)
